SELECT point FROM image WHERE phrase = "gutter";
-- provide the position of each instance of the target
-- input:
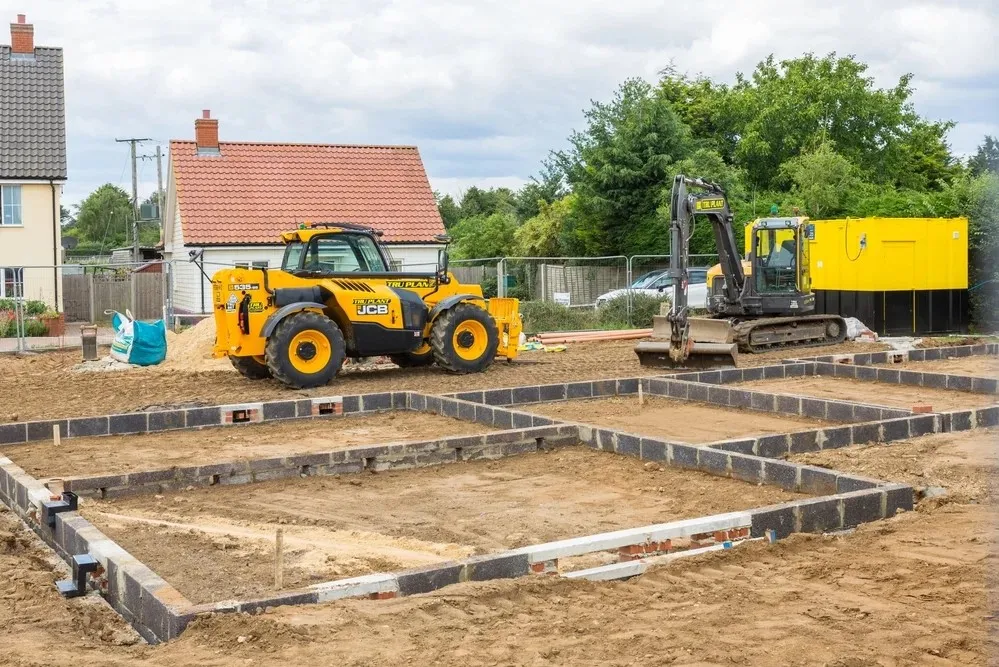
(55, 246)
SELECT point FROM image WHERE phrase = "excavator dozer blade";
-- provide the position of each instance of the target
(656, 354)
(707, 330)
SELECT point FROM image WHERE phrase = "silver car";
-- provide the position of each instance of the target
(658, 283)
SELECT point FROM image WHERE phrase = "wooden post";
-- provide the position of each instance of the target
(56, 438)
(90, 294)
(641, 396)
(279, 560)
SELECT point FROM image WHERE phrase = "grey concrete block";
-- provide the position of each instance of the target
(752, 374)
(697, 392)
(844, 370)
(370, 402)
(712, 461)
(744, 446)
(779, 518)
(167, 420)
(466, 411)
(471, 396)
(135, 422)
(959, 382)
(731, 375)
(498, 566)
(538, 420)
(819, 515)
(861, 508)
(922, 425)
(141, 477)
(761, 401)
(779, 473)
(484, 414)
(604, 387)
(400, 400)
(449, 408)
(962, 351)
(606, 439)
(434, 404)
(12, 434)
(579, 390)
(805, 441)
(720, 395)
(88, 426)
(796, 370)
(709, 377)
(351, 404)
(303, 407)
(772, 372)
(866, 413)
(929, 354)
(772, 446)
(502, 418)
(984, 385)
(683, 456)
(910, 377)
(879, 358)
(961, 420)
(935, 380)
(817, 481)
(522, 419)
(131, 597)
(889, 375)
(42, 430)
(552, 392)
(813, 407)
(272, 410)
(196, 417)
(987, 417)
(837, 437)
(840, 412)
(789, 405)
(847, 483)
(898, 498)
(629, 445)
(654, 450)
(895, 429)
(525, 394)
(748, 468)
(627, 386)
(677, 390)
(867, 373)
(427, 579)
(740, 398)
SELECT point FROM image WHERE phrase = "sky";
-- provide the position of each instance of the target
(484, 88)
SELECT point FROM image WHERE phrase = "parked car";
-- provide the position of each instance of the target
(658, 283)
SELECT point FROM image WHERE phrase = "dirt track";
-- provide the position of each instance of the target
(878, 393)
(217, 543)
(124, 453)
(679, 420)
(41, 386)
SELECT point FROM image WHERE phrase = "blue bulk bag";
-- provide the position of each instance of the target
(140, 343)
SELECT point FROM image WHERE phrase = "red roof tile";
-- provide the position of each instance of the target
(252, 192)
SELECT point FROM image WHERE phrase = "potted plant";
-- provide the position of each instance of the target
(55, 323)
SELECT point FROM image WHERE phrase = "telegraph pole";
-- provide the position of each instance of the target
(135, 196)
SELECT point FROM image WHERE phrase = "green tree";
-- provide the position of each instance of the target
(618, 167)
(482, 236)
(986, 159)
(822, 179)
(104, 218)
(542, 235)
(476, 201)
(449, 209)
(546, 187)
(710, 110)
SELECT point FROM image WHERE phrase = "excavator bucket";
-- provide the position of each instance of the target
(709, 345)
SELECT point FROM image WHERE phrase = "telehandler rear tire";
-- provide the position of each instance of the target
(421, 356)
(251, 368)
(306, 350)
(464, 339)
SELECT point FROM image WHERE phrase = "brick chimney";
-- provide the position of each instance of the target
(22, 36)
(206, 134)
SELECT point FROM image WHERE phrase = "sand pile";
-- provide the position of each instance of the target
(191, 350)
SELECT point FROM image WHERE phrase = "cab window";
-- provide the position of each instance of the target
(340, 253)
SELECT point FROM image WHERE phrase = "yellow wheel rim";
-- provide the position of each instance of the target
(470, 340)
(423, 349)
(309, 351)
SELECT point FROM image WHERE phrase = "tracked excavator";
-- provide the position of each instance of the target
(754, 305)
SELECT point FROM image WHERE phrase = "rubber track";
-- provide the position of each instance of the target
(743, 330)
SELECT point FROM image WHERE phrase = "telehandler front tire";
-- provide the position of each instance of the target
(306, 350)
(421, 356)
(464, 339)
(251, 368)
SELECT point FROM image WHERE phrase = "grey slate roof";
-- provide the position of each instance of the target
(32, 115)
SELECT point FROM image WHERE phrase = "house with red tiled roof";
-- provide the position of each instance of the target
(228, 202)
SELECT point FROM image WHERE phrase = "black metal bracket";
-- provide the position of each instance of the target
(52, 507)
(83, 564)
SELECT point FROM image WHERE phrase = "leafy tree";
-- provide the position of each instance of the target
(65, 216)
(104, 217)
(542, 235)
(822, 179)
(710, 110)
(483, 236)
(619, 166)
(476, 201)
(546, 187)
(986, 159)
(449, 210)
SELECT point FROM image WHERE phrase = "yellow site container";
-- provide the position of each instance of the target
(910, 278)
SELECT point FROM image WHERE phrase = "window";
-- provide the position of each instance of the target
(12, 285)
(10, 205)
(697, 276)
(340, 253)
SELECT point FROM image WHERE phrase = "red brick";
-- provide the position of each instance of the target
(922, 408)
(385, 595)
(720, 536)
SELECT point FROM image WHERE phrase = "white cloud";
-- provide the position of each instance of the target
(484, 88)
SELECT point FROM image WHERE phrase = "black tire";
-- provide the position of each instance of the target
(297, 368)
(413, 359)
(250, 368)
(459, 356)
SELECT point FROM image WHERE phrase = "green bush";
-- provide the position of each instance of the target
(35, 328)
(6, 304)
(8, 325)
(541, 316)
(614, 313)
(35, 307)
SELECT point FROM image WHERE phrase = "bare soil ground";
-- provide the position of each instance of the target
(124, 453)
(40, 386)
(986, 366)
(877, 393)
(677, 420)
(217, 543)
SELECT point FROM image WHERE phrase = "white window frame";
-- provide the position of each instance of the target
(3, 283)
(11, 206)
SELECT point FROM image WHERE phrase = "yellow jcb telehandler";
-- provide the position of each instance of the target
(335, 296)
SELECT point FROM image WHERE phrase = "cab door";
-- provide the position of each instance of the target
(805, 234)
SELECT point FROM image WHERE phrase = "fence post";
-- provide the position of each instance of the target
(90, 294)
(501, 278)
(131, 293)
